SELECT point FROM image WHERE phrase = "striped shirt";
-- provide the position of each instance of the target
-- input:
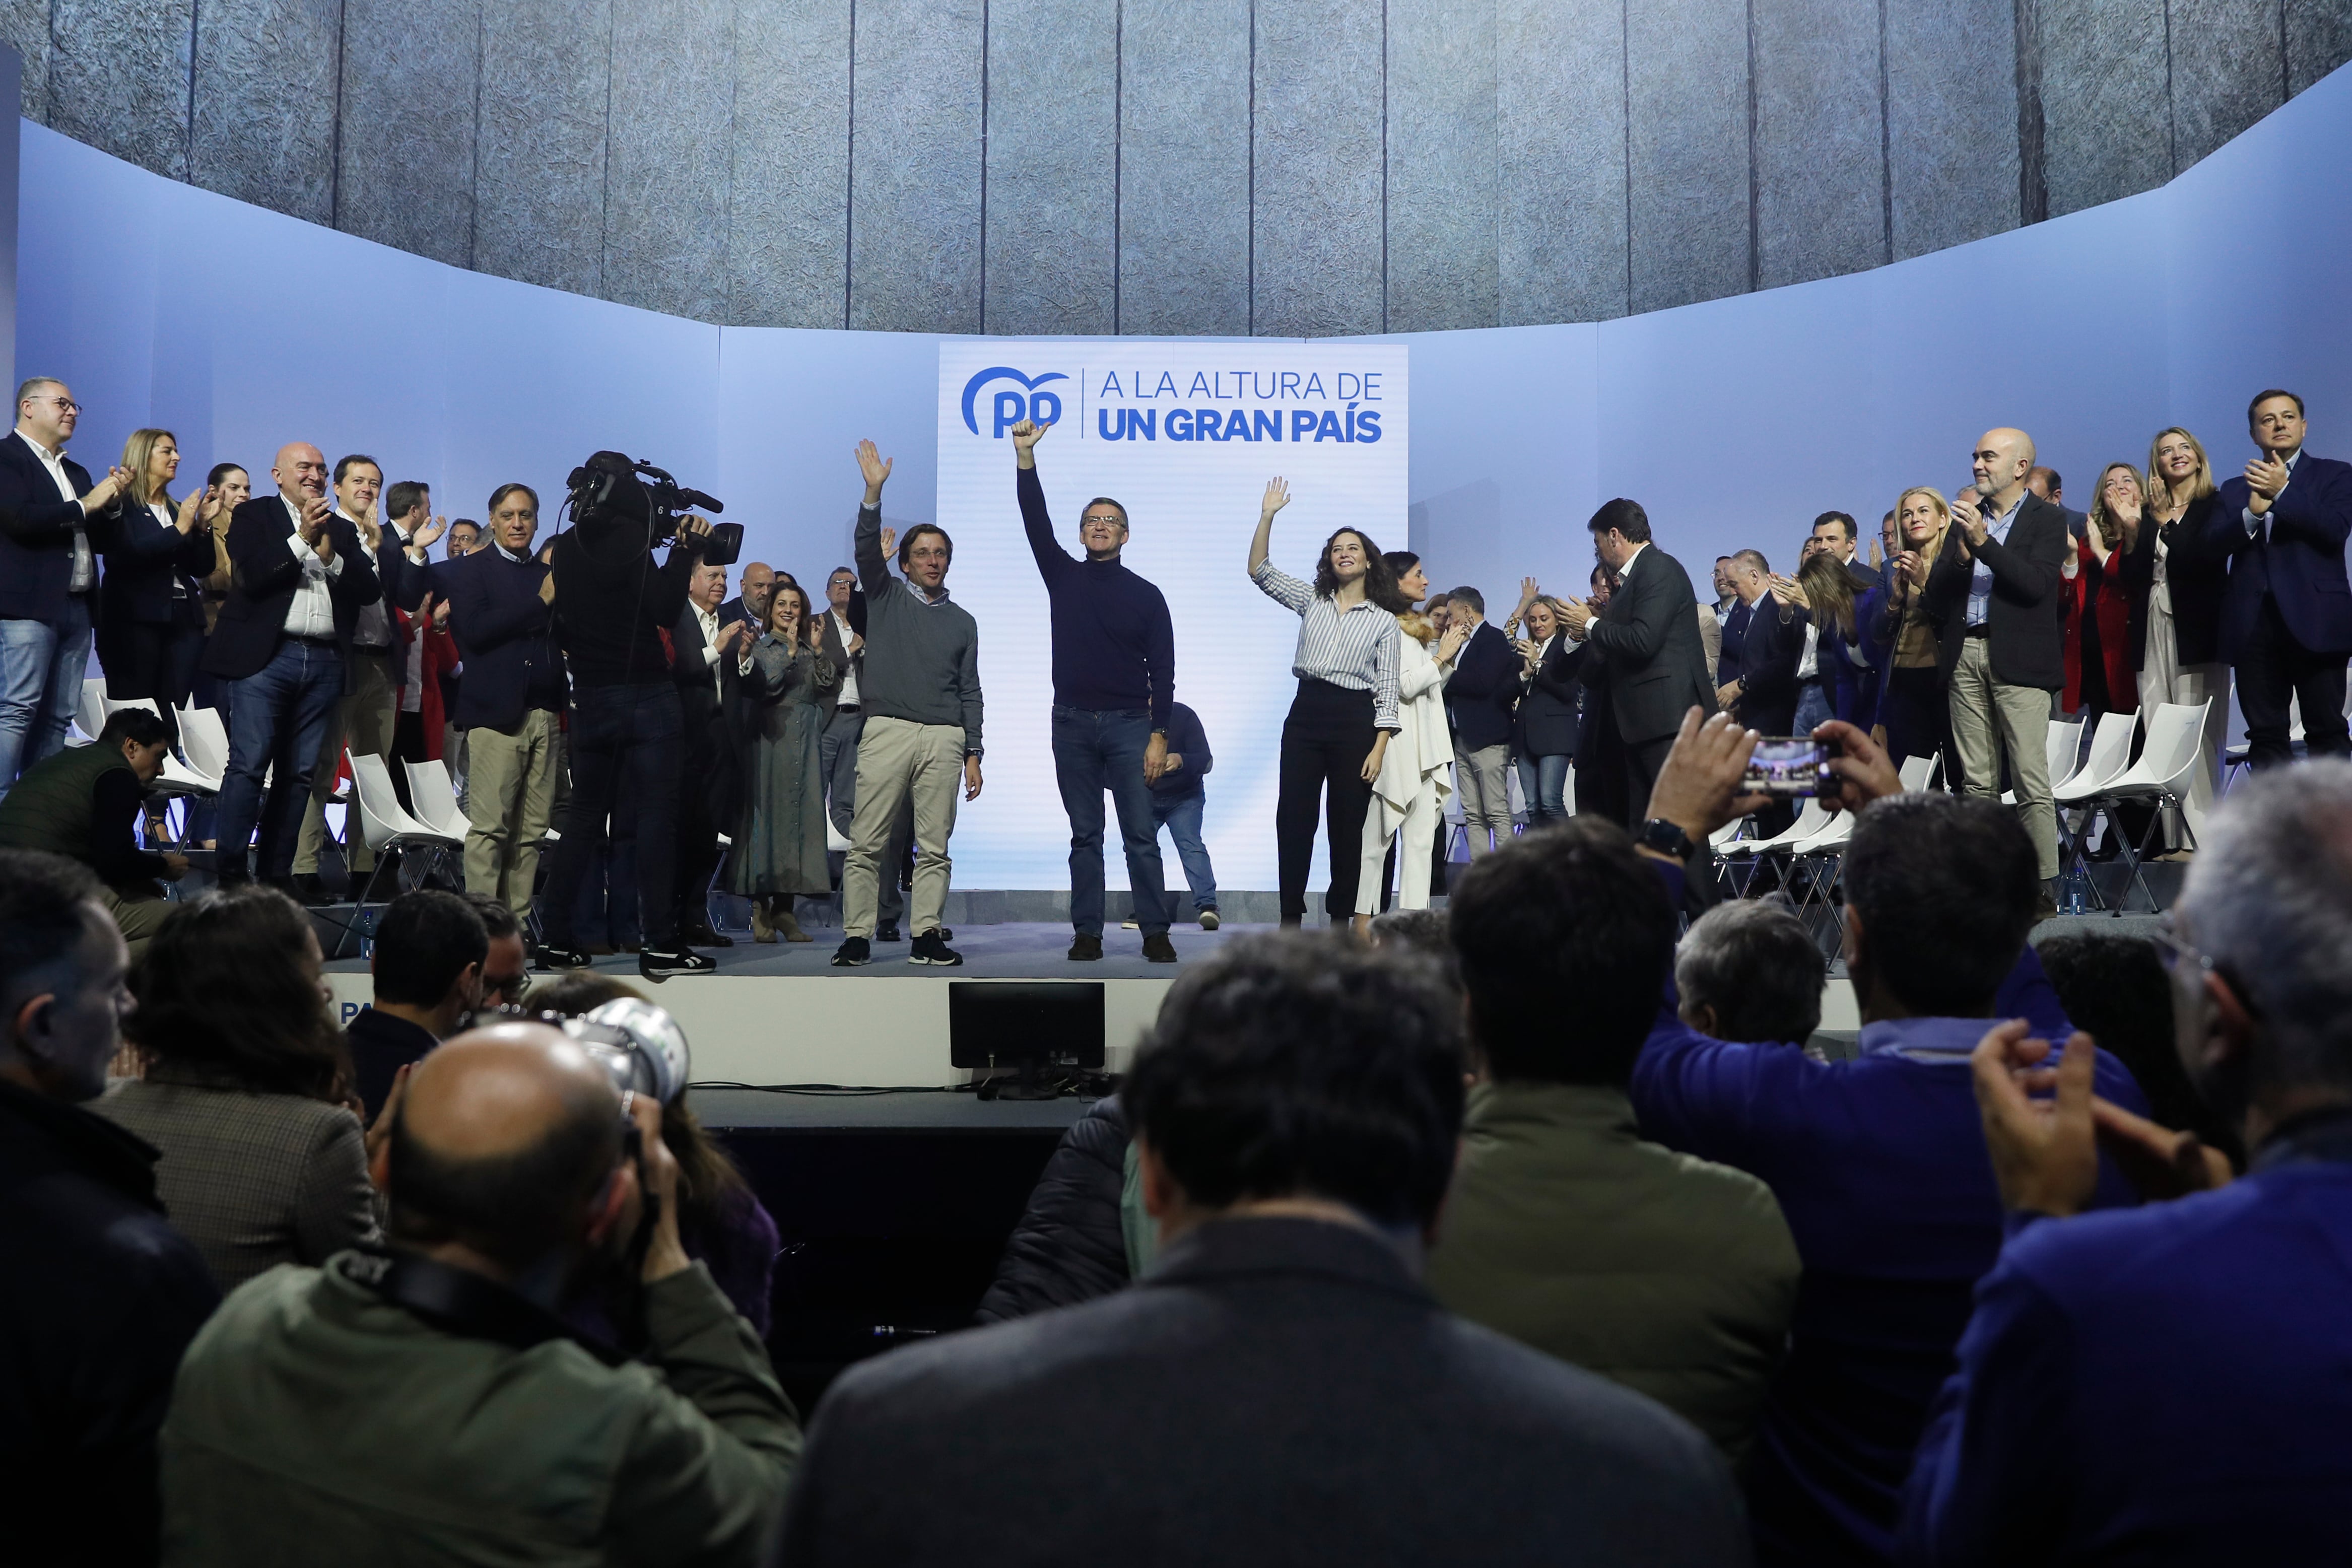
(1355, 648)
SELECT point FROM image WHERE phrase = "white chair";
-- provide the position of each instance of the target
(433, 800)
(384, 826)
(89, 712)
(204, 739)
(2110, 755)
(1916, 771)
(2064, 748)
(1810, 821)
(2161, 775)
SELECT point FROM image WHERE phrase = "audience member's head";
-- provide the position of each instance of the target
(1618, 529)
(1748, 970)
(706, 590)
(759, 584)
(300, 473)
(2276, 420)
(141, 739)
(1751, 574)
(504, 1156)
(571, 992)
(1466, 606)
(62, 973)
(430, 947)
(1439, 608)
(1941, 891)
(514, 518)
(1922, 514)
(1836, 533)
(2113, 988)
(465, 537)
(231, 990)
(2000, 462)
(2044, 482)
(45, 411)
(838, 588)
(409, 503)
(232, 485)
(1420, 932)
(1829, 591)
(1569, 912)
(2178, 458)
(1300, 1068)
(2267, 1029)
(506, 966)
(359, 480)
(1349, 556)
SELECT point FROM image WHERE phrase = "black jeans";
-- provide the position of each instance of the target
(2273, 667)
(1918, 718)
(619, 731)
(1325, 742)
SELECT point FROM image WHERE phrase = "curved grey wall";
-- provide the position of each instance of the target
(1286, 167)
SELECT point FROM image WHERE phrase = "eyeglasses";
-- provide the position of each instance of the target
(63, 404)
(2173, 950)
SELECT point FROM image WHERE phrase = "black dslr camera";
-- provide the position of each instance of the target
(614, 488)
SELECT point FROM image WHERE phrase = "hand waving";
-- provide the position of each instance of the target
(1277, 495)
(875, 467)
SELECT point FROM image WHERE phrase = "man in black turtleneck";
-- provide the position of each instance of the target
(1114, 678)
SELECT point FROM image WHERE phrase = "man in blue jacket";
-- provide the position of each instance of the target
(1482, 692)
(2173, 1382)
(2286, 624)
(1879, 1163)
(1114, 678)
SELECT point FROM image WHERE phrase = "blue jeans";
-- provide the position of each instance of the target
(1180, 815)
(633, 732)
(1543, 784)
(42, 664)
(1099, 751)
(278, 721)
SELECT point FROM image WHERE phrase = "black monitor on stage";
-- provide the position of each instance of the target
(1033, 1026)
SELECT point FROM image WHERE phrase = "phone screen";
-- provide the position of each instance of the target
(1786, 765)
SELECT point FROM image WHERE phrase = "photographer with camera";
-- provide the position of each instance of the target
(432, 1406)
(611, 608)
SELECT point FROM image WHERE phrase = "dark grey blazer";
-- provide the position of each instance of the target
(1273, 1391)
(1646, 660)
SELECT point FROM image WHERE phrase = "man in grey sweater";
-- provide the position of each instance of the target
(921, 691)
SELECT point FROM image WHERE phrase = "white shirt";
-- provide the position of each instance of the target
(848, 696)
(1627, 570)
(85, 565)
(313, 612)
(372, 628)
(708, 621)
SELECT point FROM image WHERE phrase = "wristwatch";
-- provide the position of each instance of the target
(1666, 838)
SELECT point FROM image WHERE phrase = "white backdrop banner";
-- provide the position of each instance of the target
(1185, 436)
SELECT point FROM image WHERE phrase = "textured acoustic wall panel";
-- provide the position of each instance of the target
(914, 192)
(540, 162)
(412, 70)
(1168, 167)
(1559, 126)
(263, 123)
(1443, 166)
(1687, 94)
(1821, 169)
(1952, 122)
(788, 192)
(1185, 167)
(1053, 165)
(1319, 210)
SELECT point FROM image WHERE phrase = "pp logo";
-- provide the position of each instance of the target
(1012, 407)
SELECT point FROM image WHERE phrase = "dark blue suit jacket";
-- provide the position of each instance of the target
(36, 533)
(143, 557)
(2169, 1384)
(1483, 689)
(2300, 563)
(264, 573)
(1765, 656)
(504, 633)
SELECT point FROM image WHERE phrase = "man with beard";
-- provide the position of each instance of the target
(433, 1405)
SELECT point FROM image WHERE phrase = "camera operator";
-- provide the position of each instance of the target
(612, 606)
(433, 1406)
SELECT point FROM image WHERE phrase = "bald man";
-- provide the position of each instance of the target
(283, 644)
(760, 581)
(1992, 598)
(434, 1408)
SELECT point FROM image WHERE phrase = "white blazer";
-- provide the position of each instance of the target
(1422, 746)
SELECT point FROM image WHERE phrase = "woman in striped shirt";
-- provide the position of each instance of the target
(1346, 709)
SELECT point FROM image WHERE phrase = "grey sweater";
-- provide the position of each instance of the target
(922, 660)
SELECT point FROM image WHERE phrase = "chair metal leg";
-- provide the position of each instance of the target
(359, 909)
(2138, 858)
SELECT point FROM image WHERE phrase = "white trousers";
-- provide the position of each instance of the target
(1415, 835)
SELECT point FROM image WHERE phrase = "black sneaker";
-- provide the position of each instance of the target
(853, 953)
(661, 962)
(1158, 949)
(888, 932)
(546, 958)
(310, 892)
(1208, 920)
(929, 948)
(1085, 948)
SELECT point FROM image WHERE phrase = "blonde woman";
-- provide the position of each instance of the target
(1410, 789)
(151, 620)
(1914, 715)
(2180, 658)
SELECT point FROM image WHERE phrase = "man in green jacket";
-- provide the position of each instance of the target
(85, 802)
(1564, 1229)
(432, 1408)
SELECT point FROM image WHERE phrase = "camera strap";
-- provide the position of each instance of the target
(461, 1302)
